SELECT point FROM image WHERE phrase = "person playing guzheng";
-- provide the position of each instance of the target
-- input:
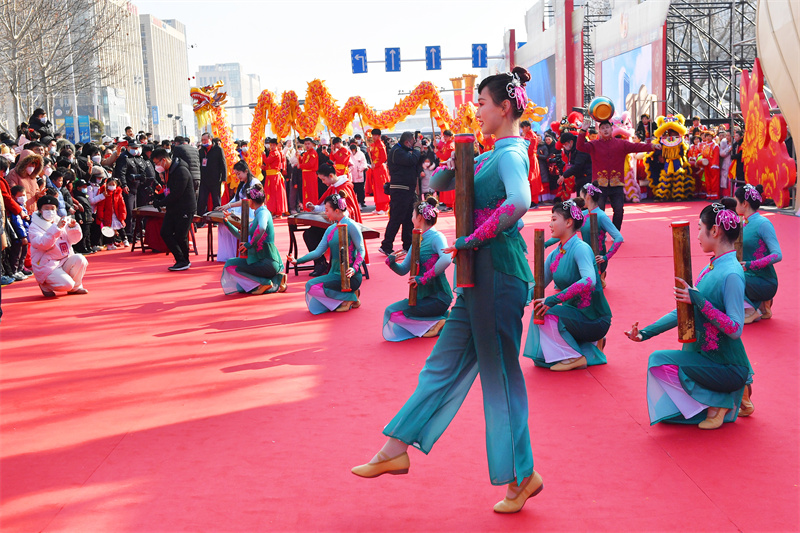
(261, 270)
(704, 382)
(326, 293)
(402, 321)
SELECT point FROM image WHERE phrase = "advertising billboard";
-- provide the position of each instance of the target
(625, 73)
(542, 91)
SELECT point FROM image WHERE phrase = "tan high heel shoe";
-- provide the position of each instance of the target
(282, 286)
(746, 408)
(261, 289)
(435, 329)
(395, 466)
(714, 418)
(569, 364)
(344, 306)
(357, 303)
(766, 310)
(514, 505)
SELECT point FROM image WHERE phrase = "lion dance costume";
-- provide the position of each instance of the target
(669, 171)
(623, 129)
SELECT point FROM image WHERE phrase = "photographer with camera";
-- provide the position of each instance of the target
(404, 170)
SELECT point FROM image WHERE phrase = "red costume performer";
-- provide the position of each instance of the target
(693, 154)
(709, 151)
(380, 174)
(534, 175)
(309, 163)
(340, 159)
(444, 151)
(273, 181)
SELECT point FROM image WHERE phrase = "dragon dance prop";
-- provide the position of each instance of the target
(320, 110)
(209, 108)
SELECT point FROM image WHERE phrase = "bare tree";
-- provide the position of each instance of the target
(48, 48)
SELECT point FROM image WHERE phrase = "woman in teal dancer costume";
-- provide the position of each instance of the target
(483, 331)
(591, 194)
(324, 293)
(262, 270)
(760, 252)
(426, 319)
(704, 382)
(576, 318)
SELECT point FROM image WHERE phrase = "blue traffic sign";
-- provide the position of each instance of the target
(479, 59)
(433, 58)
(155, 115)
(392, 60)
(358, 58)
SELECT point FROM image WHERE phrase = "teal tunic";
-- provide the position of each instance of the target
(434, 295)
(760, 251)
(604, 227)
(332, 281)
(483, 331)
(713, 369)
(581, 307)
(261, 251)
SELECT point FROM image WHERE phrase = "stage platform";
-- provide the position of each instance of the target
(157, 404)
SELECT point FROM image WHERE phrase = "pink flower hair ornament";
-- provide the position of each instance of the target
(751, 193)
(575, 212)
(255, 194)
(427, 211)
(516, 90)
(340, 203)
(725, 217)
(592, 190)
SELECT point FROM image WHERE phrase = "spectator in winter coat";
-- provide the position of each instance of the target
(56, 266)
(39, 123)
(84, 215)
(188, 154)
(181, 203)
(28, 169)
(112, 213)
(19, 238)
(358, 165)
(213, 173)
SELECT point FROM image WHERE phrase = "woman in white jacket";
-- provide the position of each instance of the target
(55, 265)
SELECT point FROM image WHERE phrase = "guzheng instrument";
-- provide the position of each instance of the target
(416, 242)
(682, 256)
(464, 206)
(538, 271)
(344, 255)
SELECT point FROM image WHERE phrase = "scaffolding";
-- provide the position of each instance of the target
(595, 12)
(708, 44)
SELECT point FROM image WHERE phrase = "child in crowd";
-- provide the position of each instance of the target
(19, 243)
(111, 213)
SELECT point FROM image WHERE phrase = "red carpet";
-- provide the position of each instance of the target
(157, 404)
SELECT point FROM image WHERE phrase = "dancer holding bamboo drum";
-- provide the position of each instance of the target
(704, 383)
(326, 293)
(482, 334)
(760, 252)
(423, 314)
(578, 316)
(591, 195)
(260, 270)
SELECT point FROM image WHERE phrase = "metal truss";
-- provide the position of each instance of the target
(708, 44)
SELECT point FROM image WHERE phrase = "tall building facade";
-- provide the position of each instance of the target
(242, 89)
(166, 77)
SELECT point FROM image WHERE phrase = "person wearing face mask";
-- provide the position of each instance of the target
(129, 171)
(19, 237)
(112, 213)
(188, 154)
(84, 216)
(56, 266)
(181, 203)
(28, 168)
(213, 173)
(40, 124)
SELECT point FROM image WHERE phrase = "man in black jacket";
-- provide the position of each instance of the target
(580, 163)
(181, 203)
(129, 170)
(213, 173)
(188, 154)
(403, 162)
